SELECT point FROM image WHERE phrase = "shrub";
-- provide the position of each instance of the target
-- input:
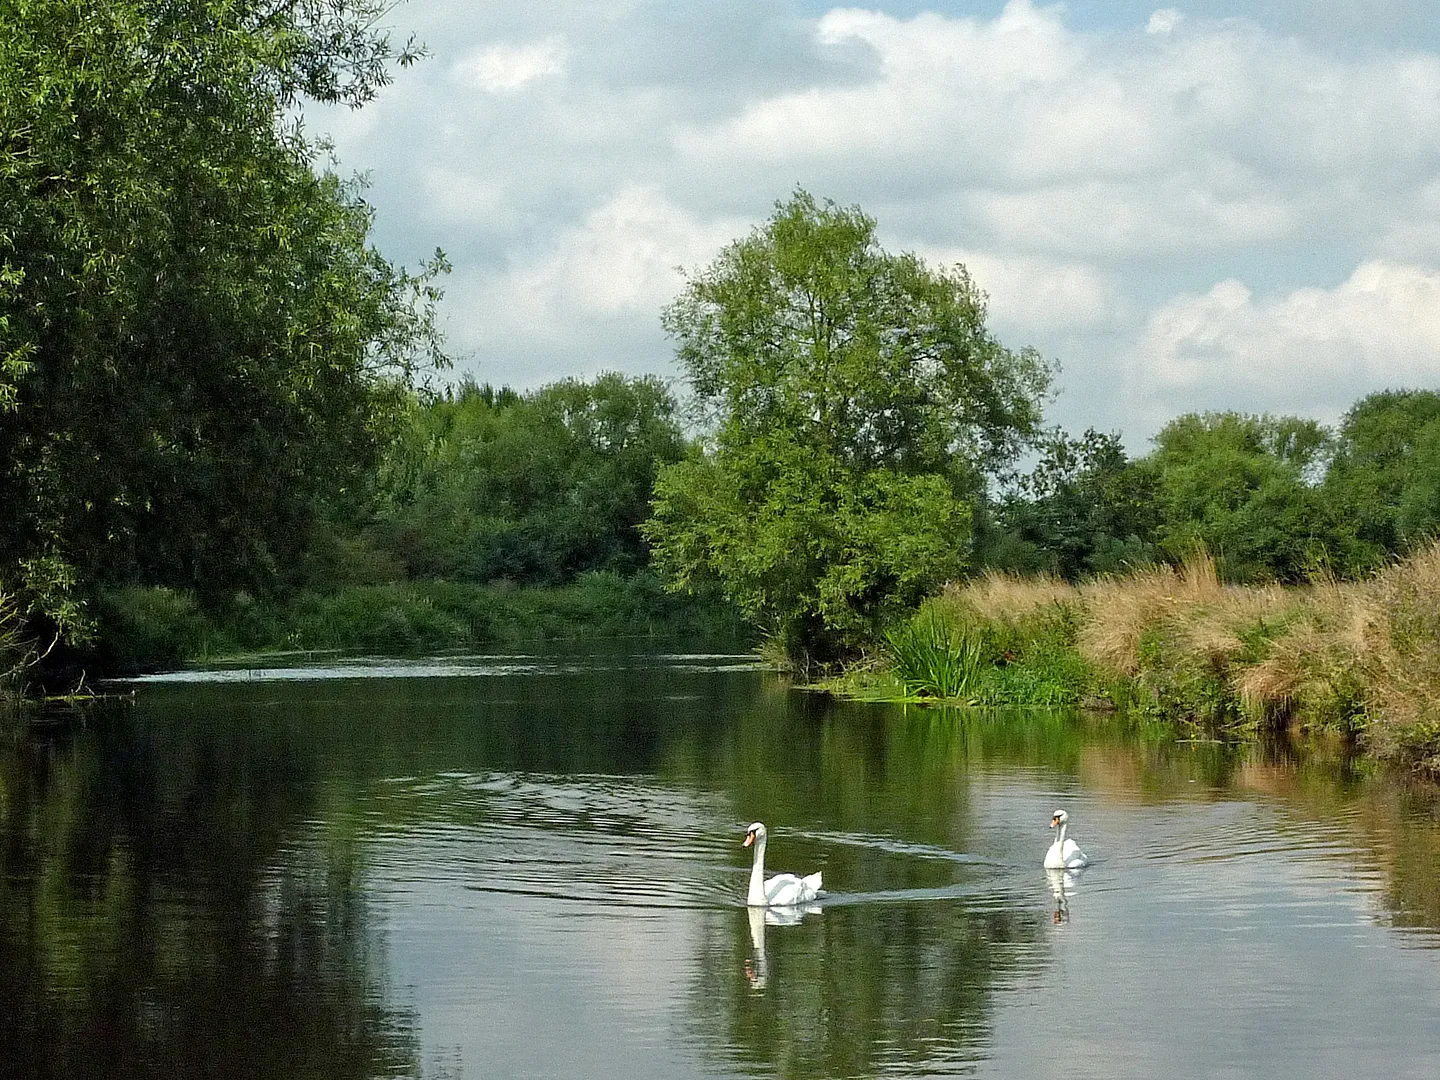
(1048, 673)
(151, 627)
(14, 656)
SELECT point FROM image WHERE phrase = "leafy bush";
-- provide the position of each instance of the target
(13, 653)
(1049, 673)
(390, 618)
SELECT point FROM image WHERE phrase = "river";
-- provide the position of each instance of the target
(531, 866)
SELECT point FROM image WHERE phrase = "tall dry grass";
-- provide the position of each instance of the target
(1360, 656)
(1400, 627)
(1009, 597)
(1119, 609)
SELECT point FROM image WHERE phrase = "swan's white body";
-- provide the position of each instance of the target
(782, 890)
(1064, 854)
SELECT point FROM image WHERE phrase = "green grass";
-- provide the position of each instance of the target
(947, 653)
(1046, 673)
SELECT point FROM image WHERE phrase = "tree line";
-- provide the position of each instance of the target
(1270, 498)
(212, 382)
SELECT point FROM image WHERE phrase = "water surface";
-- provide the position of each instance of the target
(529, 866)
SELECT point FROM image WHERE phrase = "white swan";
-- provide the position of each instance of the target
(1064, 854)
(782, 890)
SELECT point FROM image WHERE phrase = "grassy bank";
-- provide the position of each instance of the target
(157, 628)
(1361, 658)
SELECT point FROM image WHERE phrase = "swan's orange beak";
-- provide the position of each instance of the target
(1054, 822)
(749, 839)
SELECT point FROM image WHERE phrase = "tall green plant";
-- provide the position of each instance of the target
(932, 657)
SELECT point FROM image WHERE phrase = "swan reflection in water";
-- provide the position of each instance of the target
(1062, 884)
(757, 967)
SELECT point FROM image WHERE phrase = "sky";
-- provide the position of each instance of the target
(1221, 205)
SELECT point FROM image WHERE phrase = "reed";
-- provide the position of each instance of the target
(933, 656)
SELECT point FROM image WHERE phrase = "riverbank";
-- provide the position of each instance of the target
(146, 629)
(1358, 658)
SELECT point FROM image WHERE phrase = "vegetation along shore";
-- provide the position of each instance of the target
(1360, 659)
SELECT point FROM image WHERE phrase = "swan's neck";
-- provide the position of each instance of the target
(757, 874)
(1061, 838)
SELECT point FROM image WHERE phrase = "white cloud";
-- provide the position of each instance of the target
(1163, 21)
(612, 273)
(1109, 219)
(1312, 350)
(1090, 174)
(1031, 293)
(1205, 140)
(624, 256)
(1411, 225)
(459, 197)
(503, 68)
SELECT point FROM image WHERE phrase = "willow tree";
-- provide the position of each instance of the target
(199, 346)
(857, 401)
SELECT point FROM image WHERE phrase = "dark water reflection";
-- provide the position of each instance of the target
(530, 867)
(162, 914)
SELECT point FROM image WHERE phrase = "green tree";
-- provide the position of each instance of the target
(1243, 487)
(1418, 516)
(1085, 508)
(857, 401)
(531, 488)
(1382, 479)
(199, 348)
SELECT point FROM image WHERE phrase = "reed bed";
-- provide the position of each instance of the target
(1358, 657)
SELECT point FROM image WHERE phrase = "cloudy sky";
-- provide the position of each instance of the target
(1218, 205)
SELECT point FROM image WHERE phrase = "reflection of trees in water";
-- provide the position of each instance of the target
(1383, 822)
(159, 916)
(858, 986)
(154, 922)
(1391, 821)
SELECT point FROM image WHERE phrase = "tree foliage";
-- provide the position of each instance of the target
(1271, 498)
(530, 488)
(198, 345)
(1245, 488)
(856, 400)
(1384, 477)
(1086, 508)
